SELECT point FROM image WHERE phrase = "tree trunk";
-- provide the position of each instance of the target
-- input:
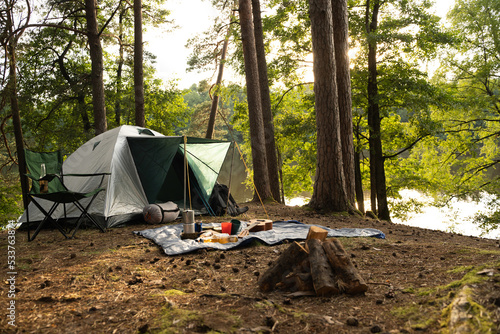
(341, 44)
(259, 159)
(329, 188)
(100, 124)
(138, 70)
(119, 78)
(265, 98)
(359, 184)
(377, 173)
(16, 114)
(81, 108)
(215, 100)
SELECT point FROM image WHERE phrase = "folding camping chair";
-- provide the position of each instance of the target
(45, 171)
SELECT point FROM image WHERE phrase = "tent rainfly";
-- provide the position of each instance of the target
(146, 167)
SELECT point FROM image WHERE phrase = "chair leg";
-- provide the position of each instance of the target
(84, 211)
(48, 217)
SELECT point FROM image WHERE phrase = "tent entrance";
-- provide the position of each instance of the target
(160, 164)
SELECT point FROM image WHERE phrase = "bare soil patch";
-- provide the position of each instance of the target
(117, 282)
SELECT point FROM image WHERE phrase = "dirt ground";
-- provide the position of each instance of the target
(118, 282)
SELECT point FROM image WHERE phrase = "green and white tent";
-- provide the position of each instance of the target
(147, 167)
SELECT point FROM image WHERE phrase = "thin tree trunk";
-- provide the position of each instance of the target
(81, 108)
(138, 66)
(215, 100)
(119, 79)
(329, 188)
(98, 101)
(359, 183)
(377, 173)
(341, 43)
(16, 114)
(259, 159)
(265, 98)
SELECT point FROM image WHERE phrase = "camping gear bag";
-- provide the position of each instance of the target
(161, 213)
(222, 202)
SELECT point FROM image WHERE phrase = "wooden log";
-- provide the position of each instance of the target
(349, 279)
(321, 271)
(285, 264)
(296, 282)
(303, 282)
(316, 232)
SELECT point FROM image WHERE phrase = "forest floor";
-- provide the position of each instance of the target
(118, 282)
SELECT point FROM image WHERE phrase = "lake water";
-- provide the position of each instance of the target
(456, 218)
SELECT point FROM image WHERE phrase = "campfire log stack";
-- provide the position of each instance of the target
(321, 266)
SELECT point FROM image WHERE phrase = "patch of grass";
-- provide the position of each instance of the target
(488, 252)
(419, 316)
(460, 269)
(174, 292)
(471, 250)
(409, 290)
(470, 277)
(176, 320)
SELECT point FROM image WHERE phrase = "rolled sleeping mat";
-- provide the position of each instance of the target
(161, 213)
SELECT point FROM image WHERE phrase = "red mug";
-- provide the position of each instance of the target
(226, 227)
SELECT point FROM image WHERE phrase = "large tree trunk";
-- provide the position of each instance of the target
(138, 70)
(100, 124)
(259, 159)
(377, 172)
(215, 100)
(329, 188)
(265, 98)
(341, 43)
(16, 114)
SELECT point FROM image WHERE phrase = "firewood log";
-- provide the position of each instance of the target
(321, 271)
(285, 264)
(348, 276)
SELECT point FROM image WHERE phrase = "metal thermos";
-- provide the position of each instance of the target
(188, 221)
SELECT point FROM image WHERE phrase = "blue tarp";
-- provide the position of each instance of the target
(169, 237)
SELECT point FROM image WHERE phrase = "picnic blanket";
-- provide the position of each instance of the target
(169, 236)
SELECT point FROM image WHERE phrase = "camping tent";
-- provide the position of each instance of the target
(146, 167)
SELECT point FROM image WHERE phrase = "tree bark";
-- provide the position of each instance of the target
(215, 100)
(377, 172)
(14, 105)
(259, 159)
(329, 192)
(119, 69)
(138, 66)
(341, 44)
(265, 98)
(359, 184)
(98, 101)
(81, 107)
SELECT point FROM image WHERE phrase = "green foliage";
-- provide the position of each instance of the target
(295, 126)
(10, 200)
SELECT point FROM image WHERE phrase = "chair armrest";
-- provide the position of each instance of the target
(47, 177)
(87, 175)
(101, 175)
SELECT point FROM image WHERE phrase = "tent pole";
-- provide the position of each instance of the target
(230, 175)
(185, 168)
